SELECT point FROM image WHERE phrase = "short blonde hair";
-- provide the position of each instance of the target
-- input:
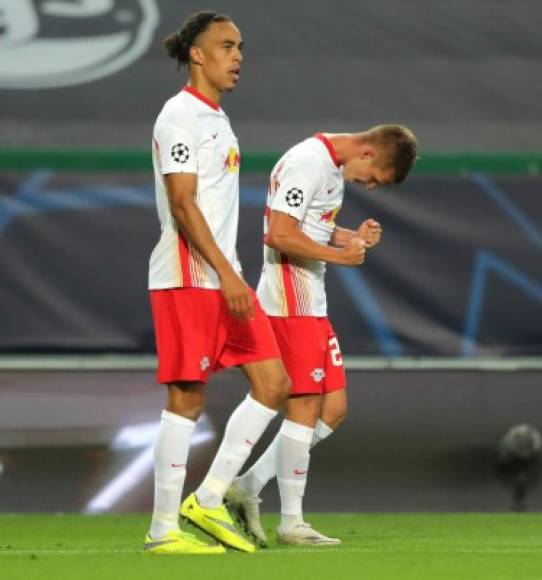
(401, 144)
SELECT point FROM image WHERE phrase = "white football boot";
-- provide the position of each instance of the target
(303, 534)
(246, 509)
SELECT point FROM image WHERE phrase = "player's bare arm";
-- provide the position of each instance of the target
(181, 188)
(285, 236)
(370, 231)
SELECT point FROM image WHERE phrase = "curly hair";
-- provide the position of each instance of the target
(178, 43)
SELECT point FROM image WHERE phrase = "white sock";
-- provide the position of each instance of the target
(292, 459)
(245, 427)
(256, 478)
(265, 469)
(170, 457)
(321, 431)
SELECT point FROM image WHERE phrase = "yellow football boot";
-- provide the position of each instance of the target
(178, 542)
(217, 522)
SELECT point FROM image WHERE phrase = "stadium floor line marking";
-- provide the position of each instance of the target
(294, 551)
(63, 552)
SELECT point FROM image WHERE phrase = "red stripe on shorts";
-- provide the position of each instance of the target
(185, 261)
(291, 302)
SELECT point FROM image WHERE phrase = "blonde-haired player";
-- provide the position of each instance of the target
(305, 195)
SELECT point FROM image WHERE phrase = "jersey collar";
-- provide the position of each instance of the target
(195, 93)
(329, 146)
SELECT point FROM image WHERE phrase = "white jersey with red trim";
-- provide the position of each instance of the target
(193, 135)
(306, 183)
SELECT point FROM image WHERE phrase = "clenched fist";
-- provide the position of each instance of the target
(353, 254)
(370, 231)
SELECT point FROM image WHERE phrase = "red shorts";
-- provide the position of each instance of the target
(195, 334)
(311, 354)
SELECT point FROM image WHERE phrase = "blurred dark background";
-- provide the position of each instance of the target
(464, 74)
(442, 326)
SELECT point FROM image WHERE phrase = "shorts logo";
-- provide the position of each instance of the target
(294, 197)
(318, 375)
(204, 363)
(180, 153)
(59, 43)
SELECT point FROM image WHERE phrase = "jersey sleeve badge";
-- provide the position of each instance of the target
(180, 153)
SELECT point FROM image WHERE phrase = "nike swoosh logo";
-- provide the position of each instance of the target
(226, 525)
(297, 472)
(249, 442)
(178, 465)
(159, 543)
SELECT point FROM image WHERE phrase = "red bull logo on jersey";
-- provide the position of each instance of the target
(329, 217)
(232, 161)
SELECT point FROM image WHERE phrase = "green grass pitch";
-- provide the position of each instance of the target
(406, 546)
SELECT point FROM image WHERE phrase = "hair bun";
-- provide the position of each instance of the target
(178, 43)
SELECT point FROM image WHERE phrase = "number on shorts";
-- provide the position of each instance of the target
(335, 352)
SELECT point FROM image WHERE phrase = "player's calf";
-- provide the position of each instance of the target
(334, 408)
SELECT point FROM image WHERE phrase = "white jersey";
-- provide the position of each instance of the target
(193, 135)
(306, 183)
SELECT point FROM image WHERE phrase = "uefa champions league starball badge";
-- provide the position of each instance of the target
(294, 197)
(180, 153)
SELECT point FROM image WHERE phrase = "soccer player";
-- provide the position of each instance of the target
(205, 316)
(300, 236)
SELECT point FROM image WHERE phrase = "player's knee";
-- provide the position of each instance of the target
(277, 391)
(303, 409)
(280, 389)
(189, 410)
(185, 401)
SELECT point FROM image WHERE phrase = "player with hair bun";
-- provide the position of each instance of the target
(178, 43)
(205, 316)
